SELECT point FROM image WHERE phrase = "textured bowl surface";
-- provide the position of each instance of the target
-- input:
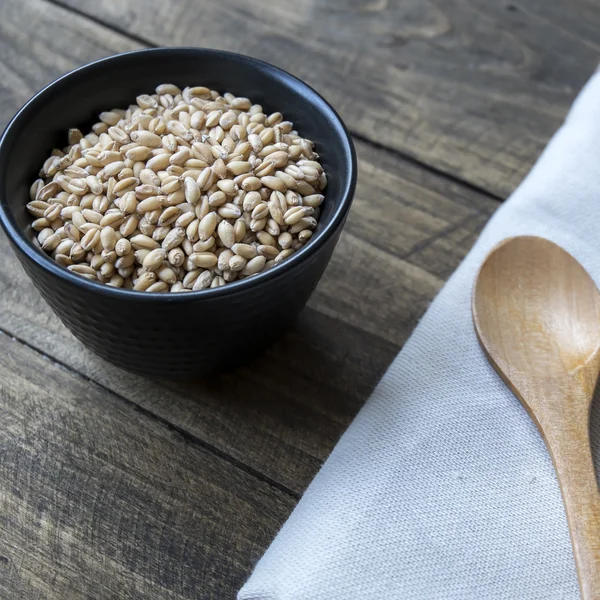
(173, 335)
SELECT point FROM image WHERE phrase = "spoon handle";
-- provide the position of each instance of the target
(569, 446)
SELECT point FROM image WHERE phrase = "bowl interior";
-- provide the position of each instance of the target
(76, 99)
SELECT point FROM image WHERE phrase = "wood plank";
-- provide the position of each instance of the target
(472, 87)
(98, 501)
(282, 414)
(441, 255)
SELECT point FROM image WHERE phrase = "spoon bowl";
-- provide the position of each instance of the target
(537, 316)
(549, 296)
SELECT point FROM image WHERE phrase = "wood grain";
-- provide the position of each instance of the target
(472, 87)
(440, 255)
(97, 501)
(281, 415)
(537, 315)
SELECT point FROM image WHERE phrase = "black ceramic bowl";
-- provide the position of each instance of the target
(173, 335)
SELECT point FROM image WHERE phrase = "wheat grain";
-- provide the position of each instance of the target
(183, 191)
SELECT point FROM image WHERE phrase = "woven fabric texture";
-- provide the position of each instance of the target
(442, 487)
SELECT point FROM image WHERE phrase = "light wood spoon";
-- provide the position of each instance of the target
(537, 316)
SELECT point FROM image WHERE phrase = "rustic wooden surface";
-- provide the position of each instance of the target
(112, 486)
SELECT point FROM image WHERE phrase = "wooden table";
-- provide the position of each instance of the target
(112, 486)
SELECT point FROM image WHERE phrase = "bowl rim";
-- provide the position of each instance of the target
(19, 239)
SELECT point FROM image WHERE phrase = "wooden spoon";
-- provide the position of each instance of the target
(537, 316)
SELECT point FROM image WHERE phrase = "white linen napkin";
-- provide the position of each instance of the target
(442, 487)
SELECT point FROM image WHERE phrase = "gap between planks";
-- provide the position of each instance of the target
(362, 138)
(187, 436)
